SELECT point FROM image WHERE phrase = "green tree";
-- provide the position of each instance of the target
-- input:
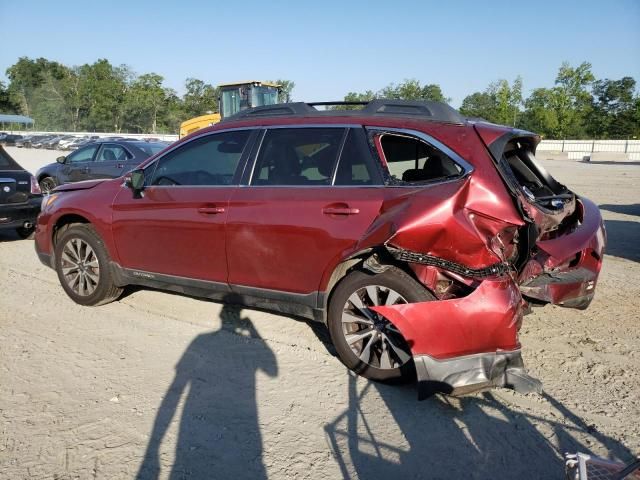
(146, 101)
(571, 99)
(614, 109)
(411, 89)
(539, 116)
(499, 103)
(479, 105)
(26, 76)
(6, 105)
(286, 90)
(199, 98)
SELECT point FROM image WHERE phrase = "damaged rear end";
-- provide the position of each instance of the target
(488, 246)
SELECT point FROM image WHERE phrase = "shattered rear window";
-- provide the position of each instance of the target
(413, 161)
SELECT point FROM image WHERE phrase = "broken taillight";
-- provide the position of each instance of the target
(35, 188)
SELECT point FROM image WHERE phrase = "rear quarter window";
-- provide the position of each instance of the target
(411, 160)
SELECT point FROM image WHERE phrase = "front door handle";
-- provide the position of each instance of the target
(211, 210)
(340, 210)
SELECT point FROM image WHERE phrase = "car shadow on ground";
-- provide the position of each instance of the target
(633, 209)
(219, 434)
(622, 239)
(470, 437)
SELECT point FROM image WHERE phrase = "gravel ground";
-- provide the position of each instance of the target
(162, 384)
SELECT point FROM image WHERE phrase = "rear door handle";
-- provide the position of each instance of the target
(340, 211)
(211, 210)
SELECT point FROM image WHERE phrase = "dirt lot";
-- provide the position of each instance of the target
(195, 389)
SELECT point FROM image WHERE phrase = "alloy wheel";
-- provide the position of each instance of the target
(46, 185)
(371, 337)
(80, 267)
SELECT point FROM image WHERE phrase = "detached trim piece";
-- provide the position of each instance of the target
(472, 373)
(413, 257)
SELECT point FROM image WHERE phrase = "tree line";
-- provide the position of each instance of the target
(103, 97)
(577, 106)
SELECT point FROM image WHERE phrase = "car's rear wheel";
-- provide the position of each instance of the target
(82, 264)
(47, 184)
(25, 232)
(366, 342)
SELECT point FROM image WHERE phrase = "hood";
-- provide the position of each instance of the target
(84, 185)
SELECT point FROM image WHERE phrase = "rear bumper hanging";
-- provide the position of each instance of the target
(473, 373)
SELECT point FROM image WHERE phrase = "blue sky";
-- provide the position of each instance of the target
(332, 47)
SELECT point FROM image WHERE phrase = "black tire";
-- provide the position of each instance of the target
(25, 233)
(393, 279)
(100, 279)
(47, 184)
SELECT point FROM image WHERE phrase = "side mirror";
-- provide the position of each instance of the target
(135, 180)
(61, 159)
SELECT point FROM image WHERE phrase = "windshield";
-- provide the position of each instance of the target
(232, 101)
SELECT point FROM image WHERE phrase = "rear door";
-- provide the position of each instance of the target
(110, 161)
(301, 209)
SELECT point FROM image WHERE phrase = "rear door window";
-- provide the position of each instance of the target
(298, 156)
(356, 165)
(112, 153)
(411, 160)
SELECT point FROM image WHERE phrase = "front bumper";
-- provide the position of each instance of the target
(15, 215)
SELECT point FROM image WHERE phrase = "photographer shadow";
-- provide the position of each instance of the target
(215, 386)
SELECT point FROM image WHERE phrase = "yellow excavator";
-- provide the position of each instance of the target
(235, 97)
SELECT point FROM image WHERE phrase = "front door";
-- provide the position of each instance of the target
(177, 226)
(76, 165)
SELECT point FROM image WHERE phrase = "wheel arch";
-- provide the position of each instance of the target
(370, 260)
(65, 222)
(45, 174)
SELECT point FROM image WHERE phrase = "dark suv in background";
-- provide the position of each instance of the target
(20, 197)
(421, 238)
(98, 159)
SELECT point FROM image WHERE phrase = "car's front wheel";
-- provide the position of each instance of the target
(366, 342)
(47, 184)
(82, 264)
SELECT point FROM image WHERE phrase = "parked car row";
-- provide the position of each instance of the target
(57, 141)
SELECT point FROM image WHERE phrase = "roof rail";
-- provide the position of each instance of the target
(427, 110)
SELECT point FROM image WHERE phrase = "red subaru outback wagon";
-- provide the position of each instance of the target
(418, 236)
